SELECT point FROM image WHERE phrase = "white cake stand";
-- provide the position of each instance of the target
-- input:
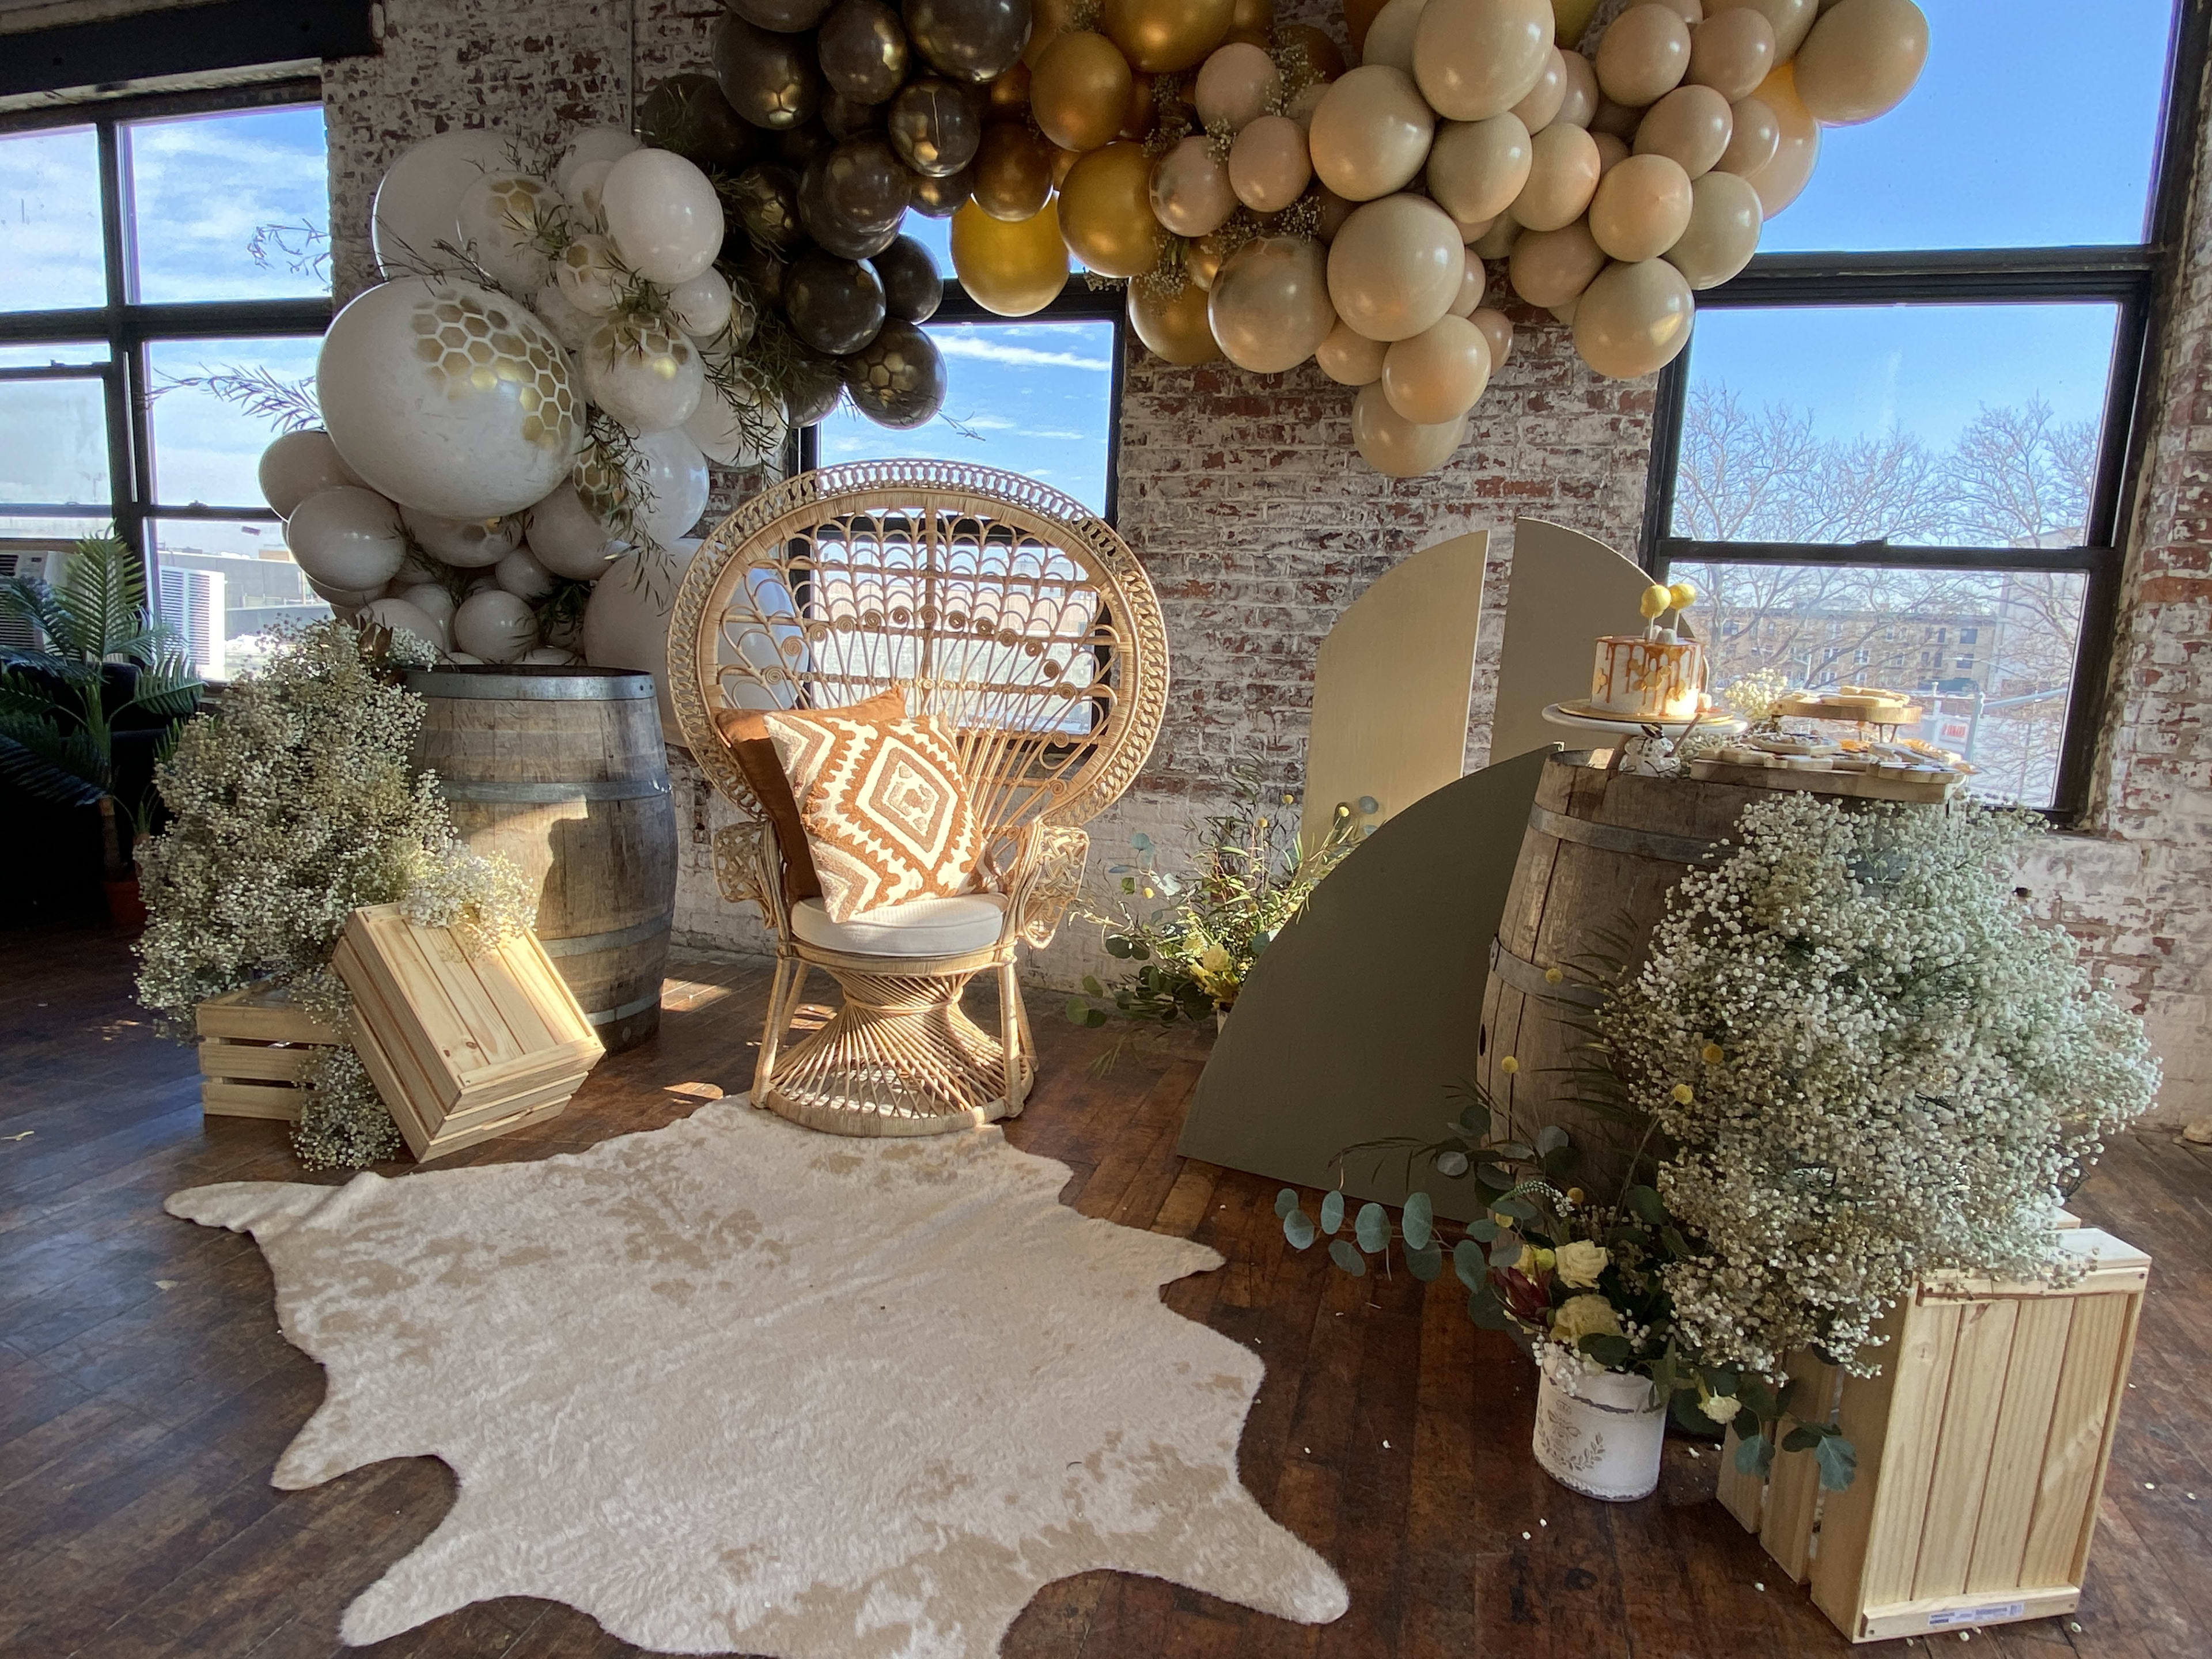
(1649, 751)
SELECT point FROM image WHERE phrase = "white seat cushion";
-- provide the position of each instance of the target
(920, 928)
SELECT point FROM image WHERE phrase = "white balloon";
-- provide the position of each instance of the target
(547, 656)
(520, 574)
(663, 482)
(401, 617)
(591, 144)
(591, 275)
(568, 538)
(702, 307)
(344, 600)
(663, 214)
(463, 544)
(420, 197)
(570, 326)
(501, 222)
(645, 376)
(718, 426)
(495, 625)
(449, 398)
(432, 600)
(298, 465)
(464, 659)
(347, 537)
(585, 189)
(626, 619)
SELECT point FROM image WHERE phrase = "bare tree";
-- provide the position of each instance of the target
(2018, 475)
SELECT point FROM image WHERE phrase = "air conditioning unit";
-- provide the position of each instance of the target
(34, 560)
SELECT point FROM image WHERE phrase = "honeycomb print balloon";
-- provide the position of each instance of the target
(470, 346)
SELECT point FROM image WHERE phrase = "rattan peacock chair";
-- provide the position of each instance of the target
(1027, 625)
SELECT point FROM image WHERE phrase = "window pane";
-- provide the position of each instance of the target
(49, 220)
(1989, 655)
(53, 442)
(51, 354)
(238, 572)
(1030, 397)
(2033, 125)
(207, 435)
(232, 206)
(1972, 426)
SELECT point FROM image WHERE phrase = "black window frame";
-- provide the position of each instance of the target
(2137, 279)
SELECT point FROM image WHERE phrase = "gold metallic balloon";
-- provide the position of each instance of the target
(1173, 326)
(1203, 257)
(1395, 266)
(1791, 20)
(1477, 58)
(1633, 319)
(1754, 135)
(1731, 51)
(1063, 162)
(1252, 15)
(1159, 36)
(1049, 20)
(1642, 54)
(1144, 111)
(1691, 125)
(1779, 182)
(1563, 174)
(1579, 97)
(1013, 171)
(1861, 59)
(1269, 304)
(1498, 328)
(1477, 168)
(1551, 267)
(1437, 376)
(1006, 96)
(1234, 85)
(1370, 133)
(1541, 106)
(1190, 192)
(1722, 233)
(1268, 165)
(1014, 268)
(1106, 211)
(1641, 208)
(1395, 446)
(1079, 91)
(1349, 357)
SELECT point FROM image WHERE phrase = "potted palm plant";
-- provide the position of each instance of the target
(109, 667)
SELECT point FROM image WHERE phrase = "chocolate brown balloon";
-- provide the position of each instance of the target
(688, 114)
(1370, 133)
(911, 288)
(1079, 90)
(1268, 167)
(850, 198)
(1161, 36)
(1642, 55)
(862, 50)
(1006, 95)
(935, 126)
(1691, 126)
(834, 305)
(1731, 51)
(1641, 208)
(1578, 100)
(1722, 233)
(766, 200)
(898, 380)
(1173, 325)
(1551, 267)
(969, 39)
(795, 147)
(1542, 104)
(811, 386)
(1563, 176)
(843, 118)
(941, 199)
(1780, 180)
(1013, 171)
(1106, 211)
(1269, 303)
(1012, 270)
(769, 79)
(1477, 168)
(1633, 319)
(1349, 357)
(1754, 135)
(1861, 59)
(781, 16)
(1398, 447)
(756, 270)
(1477, 58)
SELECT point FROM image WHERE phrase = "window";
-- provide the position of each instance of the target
(167, 281)
(1909, 426)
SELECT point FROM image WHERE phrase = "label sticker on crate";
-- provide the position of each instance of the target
(1990, 1614)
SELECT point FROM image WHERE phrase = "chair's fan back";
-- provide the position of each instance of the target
(1012, 613)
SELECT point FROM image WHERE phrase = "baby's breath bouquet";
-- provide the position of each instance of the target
(291, 805)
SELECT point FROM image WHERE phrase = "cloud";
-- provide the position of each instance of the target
(993, 351)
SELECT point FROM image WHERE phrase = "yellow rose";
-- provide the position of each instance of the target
(1579, 1316)
(1579, 1264)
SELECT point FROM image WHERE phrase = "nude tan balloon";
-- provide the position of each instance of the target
(1691, 12)
(1234, 85)
(1620, 120)
(1437, 376)
(1268, 165)
(1476, 169)
(1782, 179)
(1370, 133)
(1079, 90)
(1633, 319)
(1611, 153)
(1753, 138)
(1173, 326)
(1334, 209)
(1497, 242)
(1396, 446)
(1722, 233)
(1541, 106)
(1473, 289)
(1473, 230)
(1641, 208)
(1691, 125)
(1394, 267)
(1349, 357)
(1269, 303)
(1861, 59)
(1731, 51)
(1190, 190)
(1390, 36)
(1790, 20)
(1498, 328)
(1579, 94)
(1642, 54)
(1477, 58)
(1551, 267)
(1563, 173)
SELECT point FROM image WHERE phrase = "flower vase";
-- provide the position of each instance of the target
(1600, 1434)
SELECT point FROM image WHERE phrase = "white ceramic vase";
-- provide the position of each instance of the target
(1600, 1435)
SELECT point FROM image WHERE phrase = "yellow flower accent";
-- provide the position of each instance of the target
(1683, 595)
(1721, 1408)
(1711, 1054)
(1579, 1316)
(1581, 1262)
(1684, 1094)
(1656, 599)
(1214, 958)
(1509, 1066)
(1552, 976)
(1574, 1195)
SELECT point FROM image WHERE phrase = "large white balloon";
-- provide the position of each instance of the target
(402, 617)
(702, 307)
(346, 537)
(419, 199)
(571, 326)
(463, 544)
(646, 376)
(626, 619)
(449, 398)
(591, 144)
(663, 214)
(719, 427)
(520, 574)
(495, 625)
(590, 276)
(568, 538)
(504, 223)
(298, 465)
(661, 485)
(434, 602)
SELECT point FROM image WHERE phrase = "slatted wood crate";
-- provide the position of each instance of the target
(1981, 1451)
(255, 1045)
(463, 1043)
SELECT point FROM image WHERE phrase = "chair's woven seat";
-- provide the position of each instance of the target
(920, 928)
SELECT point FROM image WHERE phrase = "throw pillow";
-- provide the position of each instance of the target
(883, 804)
(745, 732)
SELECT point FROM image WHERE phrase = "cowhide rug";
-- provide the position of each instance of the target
(736, 1386)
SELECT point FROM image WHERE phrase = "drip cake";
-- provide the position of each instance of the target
(1655, 675)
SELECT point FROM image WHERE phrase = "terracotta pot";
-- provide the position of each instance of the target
(125, 909)
(1601, 1436)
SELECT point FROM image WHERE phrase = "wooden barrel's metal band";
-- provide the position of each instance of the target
(556, 687)
(553, 794)
(1613, 838)
(609, 1015)
(1526, 977)
(577, 944)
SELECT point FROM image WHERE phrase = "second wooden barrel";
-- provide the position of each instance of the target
(563, 771)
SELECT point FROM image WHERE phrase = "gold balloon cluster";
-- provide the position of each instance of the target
(1272, 206)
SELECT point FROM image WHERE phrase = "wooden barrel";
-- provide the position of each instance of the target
(563, 771)
(1602, 853)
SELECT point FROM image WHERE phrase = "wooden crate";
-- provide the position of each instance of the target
(462, 1043)
(1982, 1449)
(255, 1045)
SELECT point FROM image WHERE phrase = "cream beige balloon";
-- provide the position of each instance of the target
(1234, 85)
(1691, 125)
(1633, 319)
(1498, 241)
(1390, 36)
(1349, 357)
(1611, 153)
(1477, 58)
(1578, 93)
(1473, 289)
(1722, 233)
(1551, 267)
(1790, 20)
(1394, 445)
(1190, 190)
(1269, 305)
(1641, 208)
(1731, 51)
(1563, 174)
(1797, 150)
(1861, 59)
(1370, 133)
(1754, 135)
(1689, 11)
(1332, 211)
(1476, 169)
(1395, 267)
(1496, 329)
(1438, 374)
(1542, 104)
(1268, 165)
(1642, 54)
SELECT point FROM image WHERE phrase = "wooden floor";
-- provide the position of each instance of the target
(145, 1394)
